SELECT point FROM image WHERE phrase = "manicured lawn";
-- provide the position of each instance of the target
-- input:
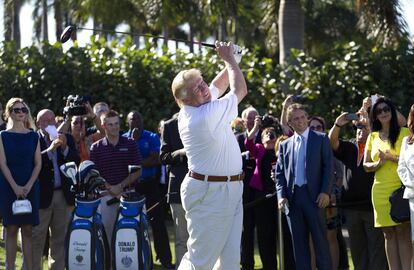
(156, 266)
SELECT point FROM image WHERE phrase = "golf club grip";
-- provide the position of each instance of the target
(112, 201)
(207, 45)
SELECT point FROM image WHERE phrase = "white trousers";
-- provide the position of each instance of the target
(109, 214)
(214, 214)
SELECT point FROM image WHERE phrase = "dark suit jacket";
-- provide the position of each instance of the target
(46, 175)
(318, 166)
(177, 166)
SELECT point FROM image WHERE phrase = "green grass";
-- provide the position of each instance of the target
(157, 266)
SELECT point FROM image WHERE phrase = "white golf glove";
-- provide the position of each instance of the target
(237, 51)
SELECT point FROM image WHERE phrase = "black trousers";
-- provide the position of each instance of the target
(263, 217)
(151, 190)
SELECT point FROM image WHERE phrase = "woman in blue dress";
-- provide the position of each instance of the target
(20, 163)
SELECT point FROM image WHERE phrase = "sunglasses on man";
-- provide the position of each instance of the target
(20, 110)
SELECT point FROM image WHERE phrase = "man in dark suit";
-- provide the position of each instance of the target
(247, 241)
(56, 200)
(303, 175)
(172, 155)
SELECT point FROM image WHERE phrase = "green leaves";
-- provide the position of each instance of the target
(130, 79)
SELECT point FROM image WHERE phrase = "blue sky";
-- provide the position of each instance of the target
(83, 36)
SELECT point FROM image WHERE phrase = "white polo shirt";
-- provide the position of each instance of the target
(208, 140)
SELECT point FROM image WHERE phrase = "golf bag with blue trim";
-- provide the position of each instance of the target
(131, 247)
(86, 242)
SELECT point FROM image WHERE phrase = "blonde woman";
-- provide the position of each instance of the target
(20, 163)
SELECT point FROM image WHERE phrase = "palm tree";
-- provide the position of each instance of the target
(7, 19)
(15, 8)
(57, 7)
(382, 21)
(291, 28)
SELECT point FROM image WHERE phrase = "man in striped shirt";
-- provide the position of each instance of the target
(112, 155)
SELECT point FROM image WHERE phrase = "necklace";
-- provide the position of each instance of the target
(383, 135)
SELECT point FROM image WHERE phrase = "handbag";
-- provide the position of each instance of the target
(400, 209)
(21, 207)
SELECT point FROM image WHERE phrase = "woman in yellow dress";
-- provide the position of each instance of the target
(381, 156)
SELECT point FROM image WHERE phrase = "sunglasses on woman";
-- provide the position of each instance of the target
(317, 127)
(383, 110)
(20, 110)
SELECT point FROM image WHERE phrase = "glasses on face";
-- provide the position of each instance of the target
(20, 110)
(384, 109)
(317, 127)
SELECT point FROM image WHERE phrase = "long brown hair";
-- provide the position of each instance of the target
(410, 125)
(28, 123)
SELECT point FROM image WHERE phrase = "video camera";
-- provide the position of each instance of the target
(76, 105)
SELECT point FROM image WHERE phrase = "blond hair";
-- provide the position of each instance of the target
(182, 81)
(28, 123)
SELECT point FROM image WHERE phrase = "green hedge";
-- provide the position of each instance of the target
(129, 79)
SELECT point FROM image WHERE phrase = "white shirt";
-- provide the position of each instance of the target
(208, 140)
(406, 168)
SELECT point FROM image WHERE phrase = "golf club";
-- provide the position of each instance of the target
(67, 33)
(69, 170)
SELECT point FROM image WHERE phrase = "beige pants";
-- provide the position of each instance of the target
(214, 214)
(181, 233)
(109, 214)
(56, 217)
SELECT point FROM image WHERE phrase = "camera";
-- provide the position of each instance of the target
(271, 121)
(268, 121)
(352, 116)
(297, 99)
(76, 105)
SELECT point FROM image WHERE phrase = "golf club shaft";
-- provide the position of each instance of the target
(146, 35)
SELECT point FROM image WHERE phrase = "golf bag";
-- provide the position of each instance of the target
(86, 242)
(131, 248)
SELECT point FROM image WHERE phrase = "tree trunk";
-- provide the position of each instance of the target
(166, 34)
(45, 29)
(191, 39)
(16, 22)
(291, 29)
(135, 38)
(58, 18)
(221, 28)
(7, 20)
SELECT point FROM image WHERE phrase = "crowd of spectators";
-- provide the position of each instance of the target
(360, 175)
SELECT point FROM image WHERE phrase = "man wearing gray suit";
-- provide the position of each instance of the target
(303, 174)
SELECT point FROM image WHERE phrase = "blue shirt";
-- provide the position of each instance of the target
(148, 142)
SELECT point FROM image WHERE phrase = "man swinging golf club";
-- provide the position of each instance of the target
(212, 190)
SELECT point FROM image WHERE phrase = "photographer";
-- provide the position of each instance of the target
(75, 124)
(366, 242)
(265, 213)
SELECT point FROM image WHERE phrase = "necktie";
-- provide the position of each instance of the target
(300, 161)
